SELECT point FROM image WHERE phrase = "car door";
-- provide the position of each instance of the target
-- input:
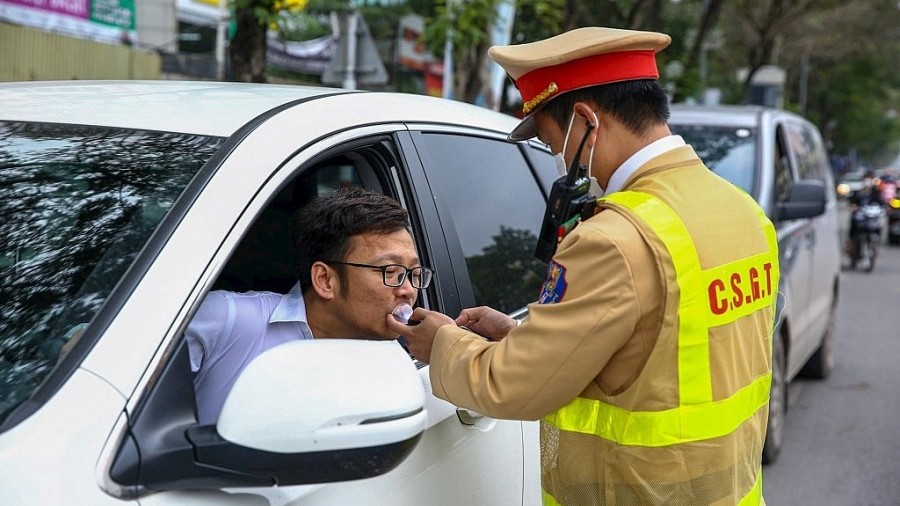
(459, 458)
(491, 196)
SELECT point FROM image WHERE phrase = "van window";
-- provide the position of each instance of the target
(728, 151)
(811, 162)
(783, 177)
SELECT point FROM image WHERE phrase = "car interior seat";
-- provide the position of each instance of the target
(265, 259)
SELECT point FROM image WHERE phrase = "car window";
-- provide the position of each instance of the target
(544, 167)
(812, 160)
(804, 148)
(77, 204)
(265, 258)
(496, 206)
(728, 151)
(783, 177)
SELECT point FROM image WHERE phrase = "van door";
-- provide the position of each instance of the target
(796, 251)
(812, 163)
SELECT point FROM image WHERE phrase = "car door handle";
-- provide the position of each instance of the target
(475, 420)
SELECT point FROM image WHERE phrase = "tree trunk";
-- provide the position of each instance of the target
(248, 48)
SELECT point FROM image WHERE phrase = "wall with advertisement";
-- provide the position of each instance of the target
(101, 20)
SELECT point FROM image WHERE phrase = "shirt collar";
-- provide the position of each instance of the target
(637, 160)
(291, 308)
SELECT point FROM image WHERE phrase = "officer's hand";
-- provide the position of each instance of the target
(488, 322)
(420, 337)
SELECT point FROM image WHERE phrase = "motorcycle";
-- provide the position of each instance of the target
(865, 236)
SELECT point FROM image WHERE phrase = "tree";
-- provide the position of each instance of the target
(765, 25)
(850, 77)
(628, 14)
(507, 274)
(470, 23)
(248, 47)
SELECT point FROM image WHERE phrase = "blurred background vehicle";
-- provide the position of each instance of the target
(893, 218)
(865, 236)
(779, 158)
(886, 182)
(849, 183)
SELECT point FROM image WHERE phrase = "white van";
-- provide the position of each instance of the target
(779, 158)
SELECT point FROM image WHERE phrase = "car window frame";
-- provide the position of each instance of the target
(452, 238)
(174, 344)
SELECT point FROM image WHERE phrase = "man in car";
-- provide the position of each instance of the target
(648, 356)
(357, 262)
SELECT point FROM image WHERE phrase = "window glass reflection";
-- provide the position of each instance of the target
(497, 208)
(77, 204)
(728, 151)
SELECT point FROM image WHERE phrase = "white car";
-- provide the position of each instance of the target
(123, 203)
(779, 158)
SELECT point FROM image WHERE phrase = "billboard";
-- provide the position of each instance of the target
(103, 20)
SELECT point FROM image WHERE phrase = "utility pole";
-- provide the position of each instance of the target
(221, 40)
(703, 50)
(448, 55)
(804, 82)
(350, 63)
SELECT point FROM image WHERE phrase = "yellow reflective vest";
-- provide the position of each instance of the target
(643, 446)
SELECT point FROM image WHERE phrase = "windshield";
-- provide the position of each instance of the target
(77, 204)
(728, 151)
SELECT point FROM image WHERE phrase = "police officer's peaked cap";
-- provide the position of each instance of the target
(580, 58)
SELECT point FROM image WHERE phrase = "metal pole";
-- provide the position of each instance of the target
(448, 56)
(221, 40)
(703, 49)
(804, 82)
(350, 69)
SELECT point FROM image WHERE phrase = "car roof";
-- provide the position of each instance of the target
(725, 115)
(218, 108)
(210, 108)
(747, 116)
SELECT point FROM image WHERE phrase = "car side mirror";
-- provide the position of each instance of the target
(807, 199)
(304, 412)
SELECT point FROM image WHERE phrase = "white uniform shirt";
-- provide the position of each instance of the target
(229, 330)
(637, 160)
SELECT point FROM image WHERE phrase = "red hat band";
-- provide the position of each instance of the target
(540, 84)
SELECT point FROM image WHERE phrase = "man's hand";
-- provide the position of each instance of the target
(487, 322)
(419, 337)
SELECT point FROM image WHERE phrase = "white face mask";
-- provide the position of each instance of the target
(562, 169)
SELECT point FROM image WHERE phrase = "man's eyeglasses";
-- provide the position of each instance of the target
(395, 275)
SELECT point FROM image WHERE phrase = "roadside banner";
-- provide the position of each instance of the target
(101, 20)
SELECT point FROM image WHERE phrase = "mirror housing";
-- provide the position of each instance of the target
(312, 411)
(807, 199)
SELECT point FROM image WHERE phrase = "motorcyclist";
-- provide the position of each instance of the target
(869, 194)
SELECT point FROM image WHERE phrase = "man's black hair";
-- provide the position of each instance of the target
(323, 227)
(638, 105)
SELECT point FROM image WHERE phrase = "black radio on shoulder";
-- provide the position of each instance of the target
(569, 202)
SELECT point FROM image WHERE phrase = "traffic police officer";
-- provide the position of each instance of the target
(647, 357)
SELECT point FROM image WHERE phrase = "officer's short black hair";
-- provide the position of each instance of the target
(324, 227)
(639, 104)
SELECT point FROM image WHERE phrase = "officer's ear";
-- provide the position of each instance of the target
(585, 113)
